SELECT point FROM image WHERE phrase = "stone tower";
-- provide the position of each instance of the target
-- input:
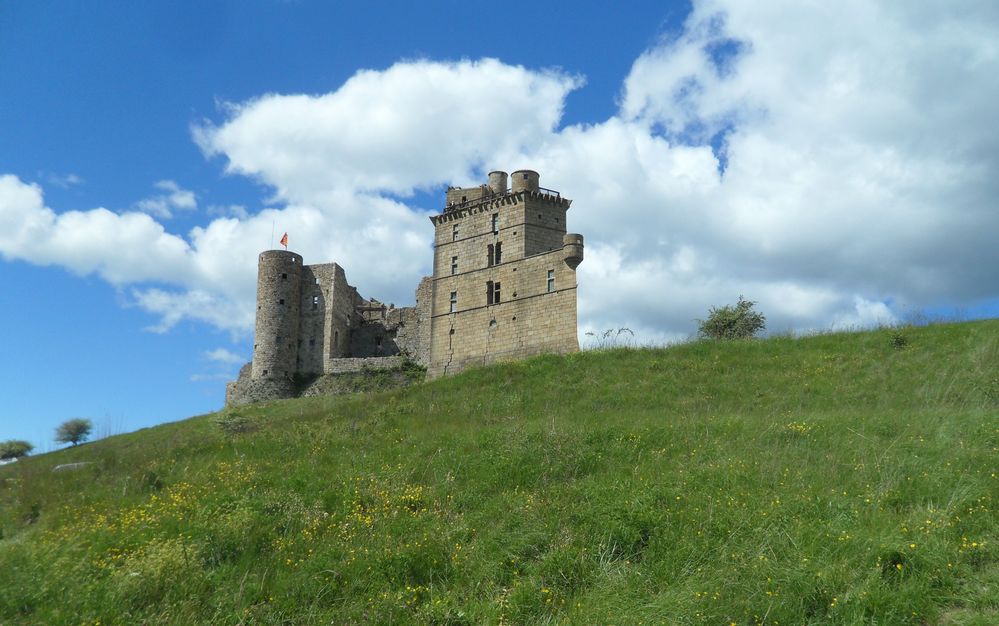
(279, 287)
(504, 282)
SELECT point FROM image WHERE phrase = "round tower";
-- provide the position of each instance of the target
(497, 182)
(572, 249)
(525, 180)
(279, 288)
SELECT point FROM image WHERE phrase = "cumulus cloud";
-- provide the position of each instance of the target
(415, 125)
(835, 164)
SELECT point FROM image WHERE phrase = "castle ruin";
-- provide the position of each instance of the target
(503, 287)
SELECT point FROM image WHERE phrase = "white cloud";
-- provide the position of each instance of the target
(856, 141)
(221, 355)
(414, 125)
(63, 180)
(162, 205)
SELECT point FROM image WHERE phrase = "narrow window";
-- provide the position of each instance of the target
(551, 281)
(281, 301)
(454, 301)
(496, 293)
(489, 255)
(499, 251)
(284, 277)
(454, 233)
(317, 281)
(495, 223)
(492, 292)
(315, 303)
(454, 265)
(265, 372)
(279, 339)
(464, 198)
(312, 343)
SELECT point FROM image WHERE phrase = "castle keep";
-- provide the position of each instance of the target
(503, 287)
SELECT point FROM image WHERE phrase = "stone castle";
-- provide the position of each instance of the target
(503, 287)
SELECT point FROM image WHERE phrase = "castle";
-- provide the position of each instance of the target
(503, 287)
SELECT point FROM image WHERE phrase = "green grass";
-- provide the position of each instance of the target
(836, 479)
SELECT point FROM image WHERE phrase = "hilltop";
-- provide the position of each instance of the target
(840, 478)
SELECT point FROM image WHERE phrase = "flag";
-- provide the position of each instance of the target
(284, 241)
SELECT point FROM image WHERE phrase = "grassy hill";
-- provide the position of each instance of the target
(841, 478)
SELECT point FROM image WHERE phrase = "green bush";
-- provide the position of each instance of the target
(74, 431)
(232, 423)
(14, 449)
(732, 322)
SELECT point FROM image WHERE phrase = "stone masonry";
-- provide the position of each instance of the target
(503, 287)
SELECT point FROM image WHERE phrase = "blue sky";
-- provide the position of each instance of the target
(836, 164)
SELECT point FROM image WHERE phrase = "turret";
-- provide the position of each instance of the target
(279, 285)
(525, 180)
(497, 182)
(572, 249)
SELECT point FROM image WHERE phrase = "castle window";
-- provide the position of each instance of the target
(454, 265)
(281, 301)
(284, 277)
(317, 281)
(495, 223)
(454, 301)
(315, 303)
(464, 198)
(490, 253)
(499, 251)
(492, 292)
(279, 339)
(454, 233)
(265, 372)
(551, 281)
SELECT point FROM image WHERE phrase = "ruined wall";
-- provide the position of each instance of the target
(413, 324)
(246, 389)
(341, 316)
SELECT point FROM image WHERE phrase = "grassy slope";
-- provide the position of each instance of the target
(833, 479)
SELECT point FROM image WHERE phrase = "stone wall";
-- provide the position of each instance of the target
(413, 324)
(343, 366)
(527, 321)
(246, 389)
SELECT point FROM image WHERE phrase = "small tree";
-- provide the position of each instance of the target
(732, 322)
(74, 431)
(14, 449)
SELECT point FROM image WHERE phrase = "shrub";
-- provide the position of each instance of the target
(74, 431)
(233, 423)
(14, 449)
(898, 340)
(732, 322)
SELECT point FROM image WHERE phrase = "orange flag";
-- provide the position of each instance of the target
(284, 241)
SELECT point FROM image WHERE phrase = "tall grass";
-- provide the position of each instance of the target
(842, 478)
